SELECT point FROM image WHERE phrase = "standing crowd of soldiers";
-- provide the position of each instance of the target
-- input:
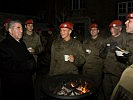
(27, 58)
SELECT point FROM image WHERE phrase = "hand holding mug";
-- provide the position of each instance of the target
(71, 58)
(31, 50)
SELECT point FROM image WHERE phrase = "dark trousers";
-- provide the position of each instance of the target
(15, 87)
(109, 83)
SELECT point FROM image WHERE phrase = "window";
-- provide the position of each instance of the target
(123, 9)
(130, 7)
(78, 4)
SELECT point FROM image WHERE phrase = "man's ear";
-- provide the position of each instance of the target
(98, 31)
(70, 31)
(120, 29)
(9, 30)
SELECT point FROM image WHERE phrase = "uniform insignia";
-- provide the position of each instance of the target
(114, 25)
(108, 45)
(88, 51)
(65, 25)
(131, 15)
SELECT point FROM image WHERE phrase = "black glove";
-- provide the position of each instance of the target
(125, 58)
(113, 46)
(126, 54)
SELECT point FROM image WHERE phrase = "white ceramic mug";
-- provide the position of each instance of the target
(66, 57)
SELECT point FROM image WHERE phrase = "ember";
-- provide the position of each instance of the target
(73, 88)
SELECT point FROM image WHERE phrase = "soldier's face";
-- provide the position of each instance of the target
(115, 31)
(29, 27)
(65, 33)
(129, 25)
(94, 32)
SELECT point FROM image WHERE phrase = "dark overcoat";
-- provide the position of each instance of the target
(16, 68)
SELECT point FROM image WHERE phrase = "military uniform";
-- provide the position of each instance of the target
(34, 42)
(61, 48)
(130, 46)
(94, 64)
(124, 89)
(112, 68)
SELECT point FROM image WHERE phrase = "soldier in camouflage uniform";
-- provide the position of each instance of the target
(112, 67)
(66, 53)
(124, 89)
(93, 67)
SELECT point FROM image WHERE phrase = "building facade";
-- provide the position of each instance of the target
(124, 7)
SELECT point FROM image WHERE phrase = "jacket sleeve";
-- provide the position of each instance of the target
(130, 49)
(123, 89)
(80, 55)
(103, 52)
(39, 47)
(104, 49)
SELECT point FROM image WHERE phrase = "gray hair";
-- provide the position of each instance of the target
(12, 22)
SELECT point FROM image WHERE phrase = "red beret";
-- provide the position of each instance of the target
(94, 25)
(7, 20)
(67, 25)
(29, 21)
(130, 15)
(115, 23)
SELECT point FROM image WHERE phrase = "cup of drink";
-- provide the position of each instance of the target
(66, 57)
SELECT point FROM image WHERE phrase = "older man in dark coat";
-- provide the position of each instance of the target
(16, 66)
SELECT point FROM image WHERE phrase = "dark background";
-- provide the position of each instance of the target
(99, 11)
(26, 7)
(32, 7)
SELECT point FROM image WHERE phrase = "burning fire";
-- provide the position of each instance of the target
(74, 88)
(83, 89)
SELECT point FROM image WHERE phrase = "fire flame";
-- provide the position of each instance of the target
(81, 88)
(85, 90)
(75, 88)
